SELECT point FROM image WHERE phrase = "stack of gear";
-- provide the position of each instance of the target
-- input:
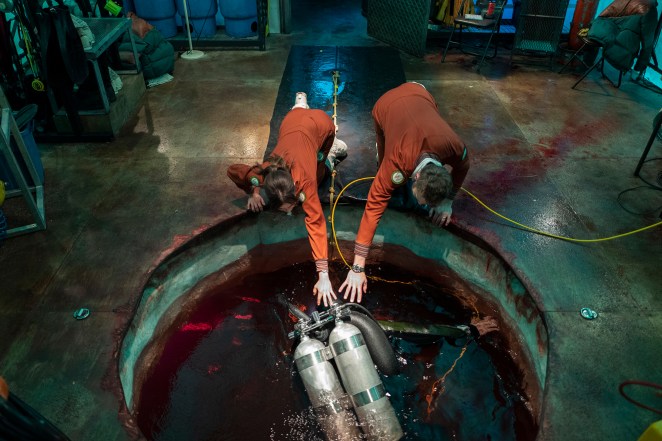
(157, 55)
(626, 30)
(355, 344)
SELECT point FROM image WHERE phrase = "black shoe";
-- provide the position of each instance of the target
(339, 158)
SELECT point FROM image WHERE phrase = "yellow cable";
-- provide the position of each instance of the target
(28, 48)
(37, 84)
(333, 215)
(570, 239)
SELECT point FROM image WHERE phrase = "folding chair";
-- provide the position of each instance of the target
(600, 63)
(588, 48)
(480, 23)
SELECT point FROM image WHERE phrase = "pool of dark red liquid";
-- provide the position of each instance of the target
(226, 371)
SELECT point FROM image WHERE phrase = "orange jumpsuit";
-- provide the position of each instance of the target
(304, 141)
(408, 128)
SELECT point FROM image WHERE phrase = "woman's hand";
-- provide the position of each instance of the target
(255, 203)
(323, 289)
(356, 284)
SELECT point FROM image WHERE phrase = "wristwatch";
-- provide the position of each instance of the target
(357, 269)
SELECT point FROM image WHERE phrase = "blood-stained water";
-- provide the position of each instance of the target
(226, 371)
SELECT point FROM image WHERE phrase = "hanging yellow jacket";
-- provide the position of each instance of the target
(447, 15)
(442, 11)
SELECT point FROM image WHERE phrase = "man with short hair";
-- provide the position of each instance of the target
(414, 144)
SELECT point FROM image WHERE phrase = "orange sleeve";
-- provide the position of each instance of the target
(316, 225)
(245, 176)
(303, 154)
(380, 193)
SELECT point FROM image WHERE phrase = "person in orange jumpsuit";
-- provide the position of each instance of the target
(306, 151)
(414, 144)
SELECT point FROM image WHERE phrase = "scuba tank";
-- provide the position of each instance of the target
(362, 383)
(352, 355)
(330, 403)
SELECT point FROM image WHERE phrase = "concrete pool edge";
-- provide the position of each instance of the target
(181, 271)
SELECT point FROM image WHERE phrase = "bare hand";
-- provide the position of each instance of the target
(356, 284)
(441, 214)
(255, 203)
(485, 325)
(324, 290)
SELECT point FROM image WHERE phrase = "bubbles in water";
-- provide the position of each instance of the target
(300, 426)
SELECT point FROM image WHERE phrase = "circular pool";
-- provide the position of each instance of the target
(207, 355)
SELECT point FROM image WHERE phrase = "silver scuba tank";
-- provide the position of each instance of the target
(362, 383)
(330, 403)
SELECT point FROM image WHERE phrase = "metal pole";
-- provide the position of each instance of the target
(190, 54)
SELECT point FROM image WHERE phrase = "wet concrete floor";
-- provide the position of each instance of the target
(546, 155)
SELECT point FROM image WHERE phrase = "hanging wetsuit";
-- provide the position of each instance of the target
(63, 59)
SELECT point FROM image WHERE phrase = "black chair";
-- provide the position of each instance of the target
(588, 48)
(657, 122)
(481, 23)
(587, 44)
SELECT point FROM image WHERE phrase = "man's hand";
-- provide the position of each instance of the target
(323, 289)
(255, 203)
(441, 214)
(356, 284)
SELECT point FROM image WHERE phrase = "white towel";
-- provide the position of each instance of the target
(165, 78)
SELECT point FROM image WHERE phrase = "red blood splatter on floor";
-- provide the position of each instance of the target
(522, 171)
(577, 133)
